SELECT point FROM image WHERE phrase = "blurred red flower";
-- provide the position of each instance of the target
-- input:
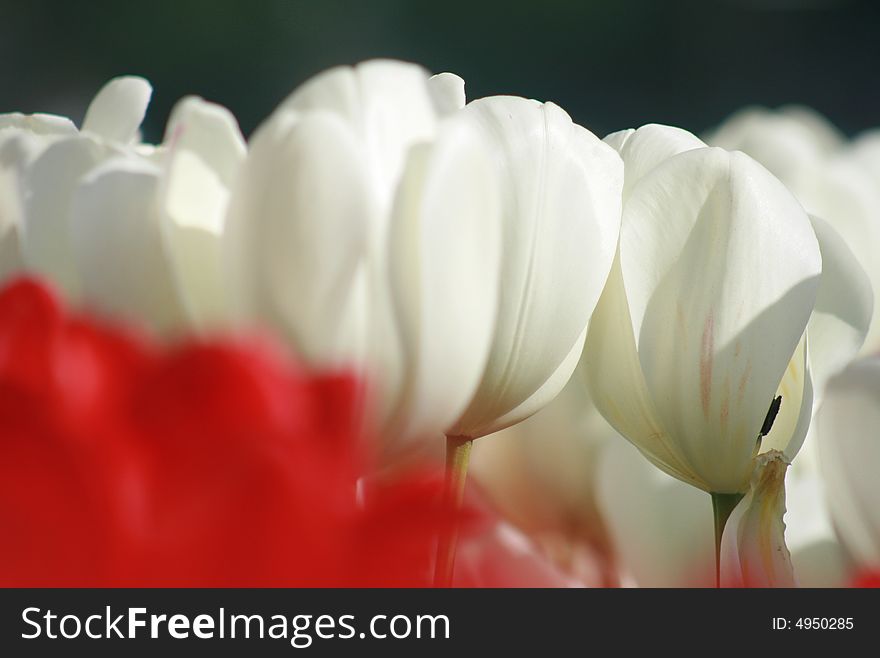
(867, 579)
(213, 464)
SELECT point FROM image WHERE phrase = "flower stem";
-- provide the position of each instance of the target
(458, 453)
(722, 506)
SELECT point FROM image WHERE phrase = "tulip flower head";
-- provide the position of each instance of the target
(89, 202)
(701, 324)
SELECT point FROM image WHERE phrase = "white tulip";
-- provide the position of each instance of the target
(561, 195)
(661, 528)
(129, 230)
(704, 311)
(365, 229)
(849, 455)
(753, 550)
(541, 473)
(818, 558)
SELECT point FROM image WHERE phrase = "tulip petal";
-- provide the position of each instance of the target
(792, 421)
(17, 151)
(713, 353)
(297, 231)
(849, 451)
(617, 385)
(205, 152)
(649, 146)
(50, 186)
(118, 246)
(447, 92)
(844, 306)
(38, 124)
(845, 195)
(118, 109)
(388, 106)
(445, 270)
(561, 193)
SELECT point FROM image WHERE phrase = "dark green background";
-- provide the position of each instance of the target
(610, 63)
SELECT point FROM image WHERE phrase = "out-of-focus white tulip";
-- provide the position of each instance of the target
(541, 473)
(849, 456)
(753, 550)
(817, 556)
(157, 223)
(561, 196)
(701, 324)
(126, 229)
(661, 528)
(833, 179)
(365, 228)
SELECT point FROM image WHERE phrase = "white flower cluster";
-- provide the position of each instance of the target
(468, 257)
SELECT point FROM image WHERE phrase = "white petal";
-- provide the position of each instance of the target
(661, 528)
(447, 90)
(849, 452)
(119, 250)
(16, 152)
(650, 146)
(616, 140)
(297, 229)
(445, 270)
(753, 550)
(38, 124)
(118, 109)
(205, 153)
(721, 269)
(844, 306)
(50, 186)
(210, 131)
(844, 195)
(617, 386)
(561, 194)
(387, 104)
(547, 391)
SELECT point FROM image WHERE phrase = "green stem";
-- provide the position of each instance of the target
(458, 453)
(722, 506)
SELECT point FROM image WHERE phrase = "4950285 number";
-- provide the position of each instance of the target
(824, 623)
